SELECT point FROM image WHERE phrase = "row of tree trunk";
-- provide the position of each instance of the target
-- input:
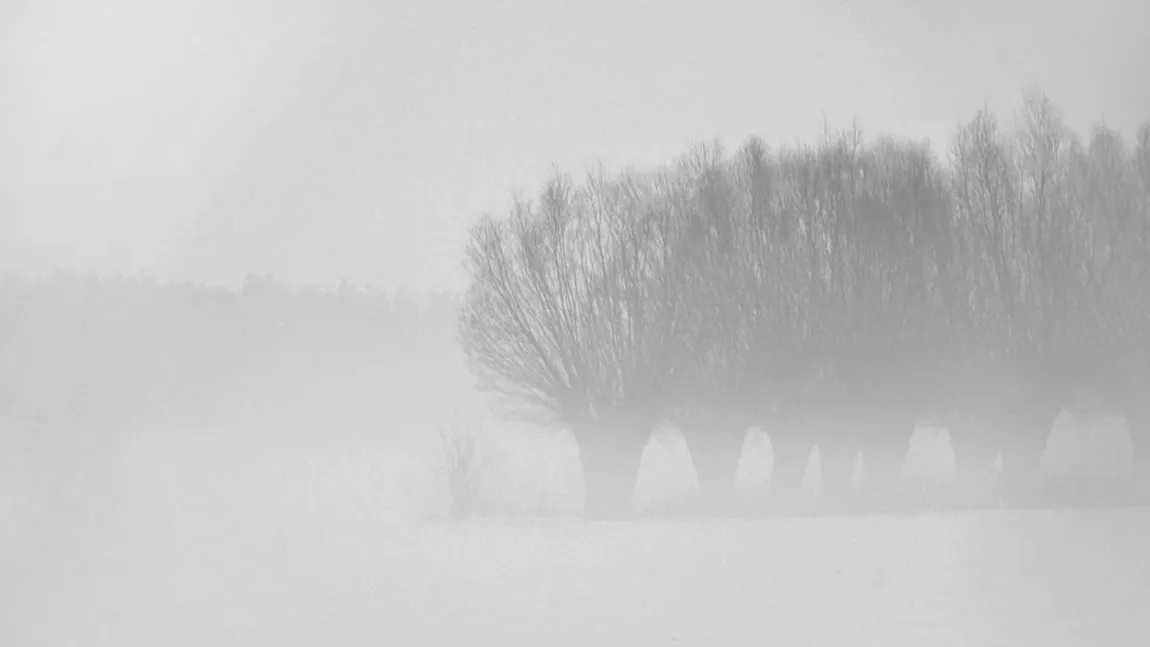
(611, 452)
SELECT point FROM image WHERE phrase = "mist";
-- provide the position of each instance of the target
(241, 396)
(322, 141)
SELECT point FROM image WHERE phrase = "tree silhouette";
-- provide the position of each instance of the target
(562, 320)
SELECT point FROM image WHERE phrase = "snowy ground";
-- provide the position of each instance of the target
(194, 544)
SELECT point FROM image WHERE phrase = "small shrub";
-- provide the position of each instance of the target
(465, 469)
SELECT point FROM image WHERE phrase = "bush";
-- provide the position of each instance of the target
(465, 469)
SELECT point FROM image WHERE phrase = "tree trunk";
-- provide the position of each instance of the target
(715, 453)
(836, 460)
(974, 446)
(883, 464)
(976, 450)
(1028, 428)
(609, 455)
(1138, 419)
(1134, 404)
(791, 449)
(884, 435)
(879, 432)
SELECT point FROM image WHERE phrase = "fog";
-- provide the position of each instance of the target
(274, 476)
(184, 540)
(293, 492)
(344, 139)
(231, 242)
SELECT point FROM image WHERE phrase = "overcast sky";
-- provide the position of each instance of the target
(328, 139)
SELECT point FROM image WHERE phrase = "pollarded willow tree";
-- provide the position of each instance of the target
(717, 385)
(1139, 310)
(1049, 239)
(1093, 342)
(892, 256)
(564, 319)
(778, 298)
(997, 379)
(740, 349)
(876, 227)
(808, 290)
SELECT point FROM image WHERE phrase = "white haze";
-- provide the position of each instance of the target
(323, 140)
(222, 541)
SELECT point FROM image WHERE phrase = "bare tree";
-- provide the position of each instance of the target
(1001, 380)
(561, 321)
(898, 231)
(1096, 347)
(1140, 296)
(715, 390)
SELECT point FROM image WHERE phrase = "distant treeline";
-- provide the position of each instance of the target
(105, 353)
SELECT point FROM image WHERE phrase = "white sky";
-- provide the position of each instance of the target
(329, 139)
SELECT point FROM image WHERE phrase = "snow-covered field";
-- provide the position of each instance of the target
(200, 544)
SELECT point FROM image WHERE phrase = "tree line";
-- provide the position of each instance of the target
(86, 356)
(834, 294)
